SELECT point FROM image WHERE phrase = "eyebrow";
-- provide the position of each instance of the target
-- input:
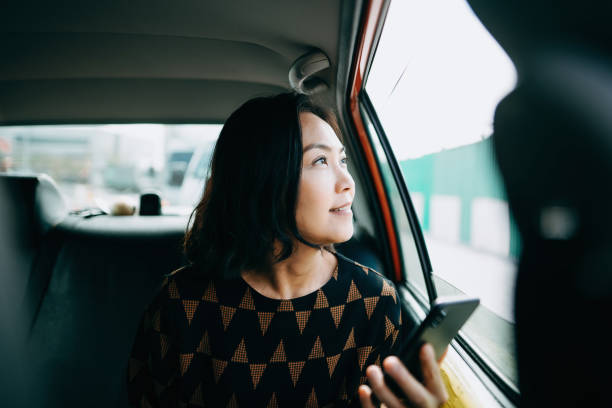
(320, 146)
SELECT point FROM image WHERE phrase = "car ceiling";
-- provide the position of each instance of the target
(77, 61)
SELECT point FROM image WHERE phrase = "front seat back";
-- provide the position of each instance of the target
(553, 142)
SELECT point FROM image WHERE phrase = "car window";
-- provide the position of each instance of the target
(433, 84)
(98, 165)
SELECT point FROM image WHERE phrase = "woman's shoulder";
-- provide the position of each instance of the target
(368, 281)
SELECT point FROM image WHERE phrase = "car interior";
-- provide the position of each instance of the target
(85, 280)
(77, 282)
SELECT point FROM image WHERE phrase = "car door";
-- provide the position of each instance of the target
(427, 79)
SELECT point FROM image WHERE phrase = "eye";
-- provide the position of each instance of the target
(344, 160)
(321, 160)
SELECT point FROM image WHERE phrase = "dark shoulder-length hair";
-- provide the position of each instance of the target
(250, 198)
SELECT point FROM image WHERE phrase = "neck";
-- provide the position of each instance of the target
(306, 270)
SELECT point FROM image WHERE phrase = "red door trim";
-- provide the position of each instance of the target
(372, 16)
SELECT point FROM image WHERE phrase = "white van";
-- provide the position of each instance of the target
(196, 175)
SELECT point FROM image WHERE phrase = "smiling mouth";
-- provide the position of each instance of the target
(344, 210)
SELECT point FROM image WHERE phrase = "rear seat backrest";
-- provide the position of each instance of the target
(107, 271)
(36, 206)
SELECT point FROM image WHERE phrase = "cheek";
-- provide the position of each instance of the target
(313, 202)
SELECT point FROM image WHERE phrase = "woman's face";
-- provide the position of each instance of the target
(326, 189)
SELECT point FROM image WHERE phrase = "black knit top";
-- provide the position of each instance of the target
(220, 343)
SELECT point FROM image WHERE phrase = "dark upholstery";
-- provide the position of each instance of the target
(106, 272)
(36, 206)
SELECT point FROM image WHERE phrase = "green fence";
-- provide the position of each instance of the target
(467, 172)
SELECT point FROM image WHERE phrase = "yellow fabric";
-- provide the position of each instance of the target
(458, 394)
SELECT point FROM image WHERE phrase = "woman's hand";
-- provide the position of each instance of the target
(431, 393)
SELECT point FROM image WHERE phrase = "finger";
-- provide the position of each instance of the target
(383, 393)
(412, 388)
(365, 396)
(431, 373)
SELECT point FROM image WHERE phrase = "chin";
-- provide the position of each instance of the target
(342, 236)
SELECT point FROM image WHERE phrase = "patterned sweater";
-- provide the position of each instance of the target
(220, 343)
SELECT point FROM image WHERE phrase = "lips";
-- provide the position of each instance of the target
(343, 208)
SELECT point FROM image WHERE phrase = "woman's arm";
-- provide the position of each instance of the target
(430, 393)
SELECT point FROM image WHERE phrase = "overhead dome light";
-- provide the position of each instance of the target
(302, 73)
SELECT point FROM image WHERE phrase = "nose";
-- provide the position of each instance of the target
(344, 181)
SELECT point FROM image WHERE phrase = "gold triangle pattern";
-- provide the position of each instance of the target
(335, 273)
(157, 321)
(387, 290)
(365, 269)
(197, 398)
(272, 403)
(321, 301)
(185, 360)
(279, 355)
(240, 355)
(135, 366)
(362, 355)
(257, 371)
(336, 312)
(295, 368)
(204, 346)
(233, 402)
(353, 293)
(331, 363)
(389, 327)
(370, 304)
(219, 367)
(302, 319)
(350, 341)
(227, 313)
(211, 293)
(173, 290)
(164, 344)
(312, 400)
(285, 306)
(264, 320)
(247, 300)
(395, 333)
(190, 307)
(317, 350)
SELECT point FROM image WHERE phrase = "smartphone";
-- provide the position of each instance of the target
(446, 316)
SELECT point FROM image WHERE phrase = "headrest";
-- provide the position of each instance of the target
(525, 27)
(552, 142)
(35, 200)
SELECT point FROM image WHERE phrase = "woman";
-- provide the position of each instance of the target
(266, 314)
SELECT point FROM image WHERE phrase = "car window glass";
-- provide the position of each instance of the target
(434, 83)
(98, 165)
(411, 263)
